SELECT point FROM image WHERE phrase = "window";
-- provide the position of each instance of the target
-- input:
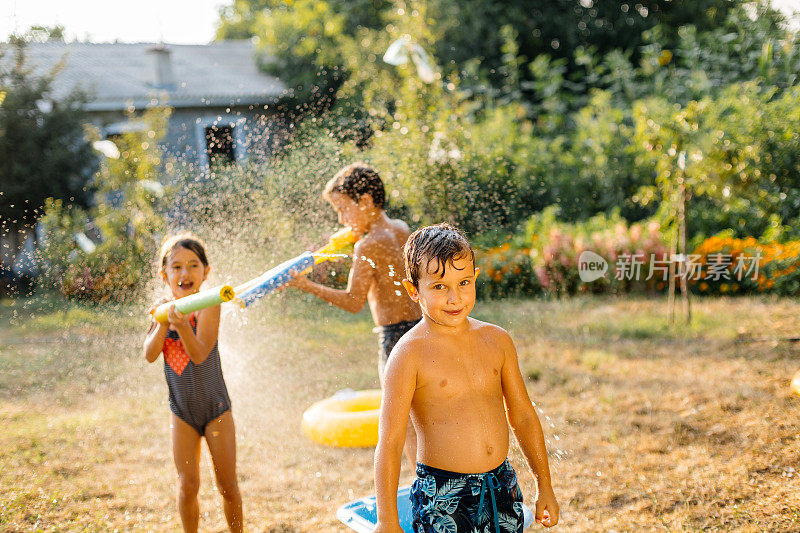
(219, 145)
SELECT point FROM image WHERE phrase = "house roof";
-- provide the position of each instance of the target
(117, 74)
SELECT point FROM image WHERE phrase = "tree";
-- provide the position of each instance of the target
(43, 151)
(675, 137)
(536, 98)
(468, 37)
(127, 218)
(305, 37)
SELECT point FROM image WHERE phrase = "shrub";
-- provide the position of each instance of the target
(126, 219)
(629, 251)
(506, 271)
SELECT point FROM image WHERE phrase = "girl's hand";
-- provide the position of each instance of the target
(157, 303)
(155, 324)
(177, 319)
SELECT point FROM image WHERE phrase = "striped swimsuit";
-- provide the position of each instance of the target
(197, 393)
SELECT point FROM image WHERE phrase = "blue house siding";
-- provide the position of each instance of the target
(208, 86)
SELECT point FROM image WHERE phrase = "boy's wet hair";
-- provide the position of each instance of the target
(186, 240)
(355, 181)
(442, 243)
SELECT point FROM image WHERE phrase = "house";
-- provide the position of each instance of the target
(223, 105)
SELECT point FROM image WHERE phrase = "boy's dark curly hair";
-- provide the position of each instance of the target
(441, 242)
(355, 181)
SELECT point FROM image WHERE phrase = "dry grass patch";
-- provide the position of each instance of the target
(650, 427)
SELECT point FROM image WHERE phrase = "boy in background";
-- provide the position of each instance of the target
(358, 196)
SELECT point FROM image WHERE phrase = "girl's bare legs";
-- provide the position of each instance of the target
(186, 454)
(221, 439)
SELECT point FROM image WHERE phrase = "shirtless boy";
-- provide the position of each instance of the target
(459, 380)
(357, 195)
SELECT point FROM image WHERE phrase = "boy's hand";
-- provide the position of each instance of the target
(546, 507)
(298, 280)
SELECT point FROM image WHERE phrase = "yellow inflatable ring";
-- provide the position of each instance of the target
(348, 419)
(796, 383)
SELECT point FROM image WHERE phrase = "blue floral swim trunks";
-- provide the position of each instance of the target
(452, 502)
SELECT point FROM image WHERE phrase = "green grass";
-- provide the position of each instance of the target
(49, 312)
(597, 359)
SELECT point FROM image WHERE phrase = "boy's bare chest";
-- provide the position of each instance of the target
(471, 373)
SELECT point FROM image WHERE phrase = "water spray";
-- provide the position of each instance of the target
(255, 289)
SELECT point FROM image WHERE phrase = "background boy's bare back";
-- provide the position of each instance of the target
(457, 407)
(378, 263)
(375, 275)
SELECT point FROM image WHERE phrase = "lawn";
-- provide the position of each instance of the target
(649, 427)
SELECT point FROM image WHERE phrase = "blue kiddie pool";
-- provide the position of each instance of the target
(362, 515)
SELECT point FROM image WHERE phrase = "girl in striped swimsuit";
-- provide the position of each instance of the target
(198, 397)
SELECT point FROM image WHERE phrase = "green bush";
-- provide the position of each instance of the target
(506, 271)
(127, 218)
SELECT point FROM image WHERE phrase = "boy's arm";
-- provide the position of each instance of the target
(399, 384)
(362, 274)
(198, 345)
(528, 431)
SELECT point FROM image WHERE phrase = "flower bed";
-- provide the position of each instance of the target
(736, 266)
(506, 271)
(630, 252)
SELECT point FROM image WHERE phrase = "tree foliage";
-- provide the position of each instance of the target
(126, 220)
(43, 151)
(466, 37)
(303, 36)
(552, 103)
